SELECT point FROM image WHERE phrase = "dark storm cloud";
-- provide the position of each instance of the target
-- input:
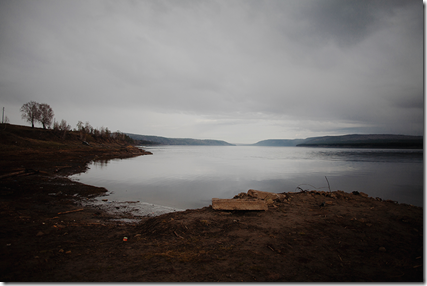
(349, 22)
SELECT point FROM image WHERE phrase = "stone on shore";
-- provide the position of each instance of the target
(266, 195)
(238, 204)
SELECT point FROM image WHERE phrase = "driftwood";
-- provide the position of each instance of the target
(237, 204)
(252, 201)
(59, 168)
(25, 172)
(12, 174)
(178, 235)
(73, 211)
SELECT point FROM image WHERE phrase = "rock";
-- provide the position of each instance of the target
(238, 204)
(269, 201)
(329, 202)
(240, 196)
(266, 195)
(382, 249)
(225, 213)
(40, 233)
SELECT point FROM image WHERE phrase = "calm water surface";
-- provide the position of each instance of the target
(189, 177)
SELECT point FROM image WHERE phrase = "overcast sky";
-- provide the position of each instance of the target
(239, 71)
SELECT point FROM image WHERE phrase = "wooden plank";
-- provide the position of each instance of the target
(237, 204)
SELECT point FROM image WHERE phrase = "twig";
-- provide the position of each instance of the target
(328, 184)
(178, 235)
(73, 211)
(12, 174)
(61, 168)
(271, 248)
(298, 187)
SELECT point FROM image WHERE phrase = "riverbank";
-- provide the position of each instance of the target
(49, 236)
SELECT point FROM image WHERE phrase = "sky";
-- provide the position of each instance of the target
(235, 70)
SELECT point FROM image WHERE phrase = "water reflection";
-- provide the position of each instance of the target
(101, 163)
(370, 155)
(189, 177)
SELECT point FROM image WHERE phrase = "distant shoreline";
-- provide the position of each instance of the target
(386, 141)
(365, 146)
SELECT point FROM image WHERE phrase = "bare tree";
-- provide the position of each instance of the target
(80, 126)
(64, 127)
(55, 125)
(46, 115)
(88, 128)
(96, 132)
(107, 132)
(31, 112)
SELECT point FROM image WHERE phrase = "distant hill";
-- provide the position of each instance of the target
(351, 141)
(279, 142)
(157, 140)
(365, 141)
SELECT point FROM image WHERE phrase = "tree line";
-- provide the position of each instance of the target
(35, 112)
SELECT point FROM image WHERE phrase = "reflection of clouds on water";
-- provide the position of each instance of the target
(189, 177)
(371, 155)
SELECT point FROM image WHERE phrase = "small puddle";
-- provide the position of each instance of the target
(126, 211)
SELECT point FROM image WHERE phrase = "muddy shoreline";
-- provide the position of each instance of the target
(48, 234)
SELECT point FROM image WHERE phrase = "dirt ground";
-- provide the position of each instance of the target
(46, 236)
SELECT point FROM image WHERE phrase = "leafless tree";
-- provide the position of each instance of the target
(63, 126)
(96, 132)
(46, 115)
(31, 112)
(81, 129)
(88, 127)
(80, 126)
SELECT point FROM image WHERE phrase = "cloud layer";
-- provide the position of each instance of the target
(240, 71)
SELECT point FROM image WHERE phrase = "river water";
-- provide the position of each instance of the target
(187, 177)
